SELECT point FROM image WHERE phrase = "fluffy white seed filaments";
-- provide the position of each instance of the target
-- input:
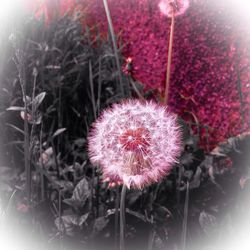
(135, 142)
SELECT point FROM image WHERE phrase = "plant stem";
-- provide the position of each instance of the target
(136, 90)
(239, 87)
(92, 89)
(185, 218)
(122, 217)
(33, 110)
(92, 193)
(117, 198)
(60, 217)
(98, 103)
(23, 84)
(112, 33)
(10, 202)
(170, 48)
(238, 82)
(151, 239)
(41, 174)
(27, 150)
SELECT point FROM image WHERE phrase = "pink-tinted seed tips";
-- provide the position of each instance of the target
(173, 7)
(135, 143)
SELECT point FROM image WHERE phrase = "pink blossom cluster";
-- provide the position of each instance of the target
(135, 143)
(211, 59)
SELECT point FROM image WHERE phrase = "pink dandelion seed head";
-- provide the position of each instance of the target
(135, 142)
(173, 7)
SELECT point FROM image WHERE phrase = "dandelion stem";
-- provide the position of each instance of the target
(122, 217)
(170, 48)
(117, 198)
(184, 225)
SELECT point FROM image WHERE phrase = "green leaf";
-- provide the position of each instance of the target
(133, 196)
(80, 142)
(65, 185)
(139, 216)
(195, 183)
(15, 108)
(80, 194)
(68, 224)
(100, 224)
(58, 132)
(83, 219)
(187, 159)
(28, 100)
(38, 99)
(208, 224)
(231, 145)
(37, 120)
(15, 127)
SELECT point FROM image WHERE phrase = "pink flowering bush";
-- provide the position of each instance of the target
(210, 53)
(134, 142)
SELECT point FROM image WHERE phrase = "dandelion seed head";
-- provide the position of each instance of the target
(131, 149)
(173, 7)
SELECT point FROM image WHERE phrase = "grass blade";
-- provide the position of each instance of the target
(112, 33)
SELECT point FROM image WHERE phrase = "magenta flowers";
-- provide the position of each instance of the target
(135, 142)
(173, 7)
